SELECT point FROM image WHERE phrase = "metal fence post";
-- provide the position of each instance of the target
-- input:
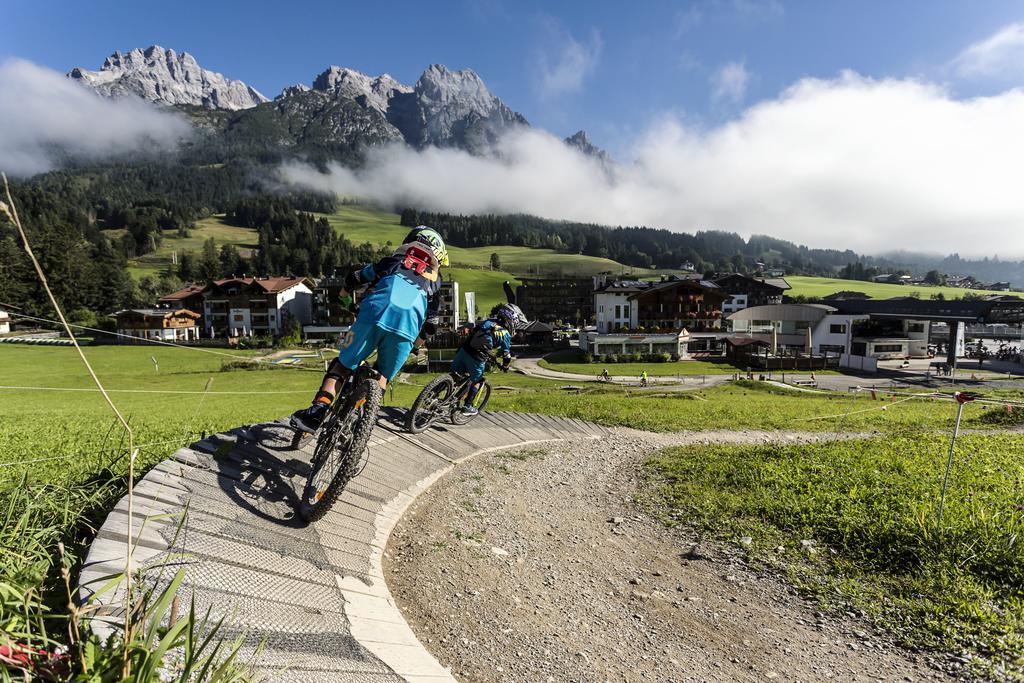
(961, 399)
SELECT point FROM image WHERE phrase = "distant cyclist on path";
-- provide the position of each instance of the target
(493, 334)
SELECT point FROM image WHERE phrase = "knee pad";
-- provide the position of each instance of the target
(337, 371)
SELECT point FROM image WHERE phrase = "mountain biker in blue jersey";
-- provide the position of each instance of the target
(401, 310)
(492, 334)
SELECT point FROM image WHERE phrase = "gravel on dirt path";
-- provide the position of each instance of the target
(537, 564)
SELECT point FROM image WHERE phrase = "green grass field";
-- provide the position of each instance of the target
(158, 261)
(361, 224)
(823, 286)
(870, 506)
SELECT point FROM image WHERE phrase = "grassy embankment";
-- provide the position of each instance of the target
(870, 508)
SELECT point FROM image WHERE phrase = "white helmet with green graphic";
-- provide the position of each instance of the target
(430, 238)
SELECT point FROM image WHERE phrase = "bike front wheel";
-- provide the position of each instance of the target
(427, 406)
(339, 447)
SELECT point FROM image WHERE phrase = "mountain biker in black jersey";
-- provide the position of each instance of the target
(494, 333)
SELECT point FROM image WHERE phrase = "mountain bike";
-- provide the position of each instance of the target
(341, 442)
(442, 398)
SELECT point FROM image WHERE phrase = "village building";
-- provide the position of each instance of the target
(5, 322)
(250, 306)
(675, 304)
(160, 324)
(672, 343)
(745, 291)
(448, 312)
(566, 300)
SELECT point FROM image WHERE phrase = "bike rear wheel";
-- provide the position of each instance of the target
(480, 402)
(339, 448)
(427, 406)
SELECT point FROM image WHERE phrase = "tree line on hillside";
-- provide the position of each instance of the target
(85, 223)
(643, 247)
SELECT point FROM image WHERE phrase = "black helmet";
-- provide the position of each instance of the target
(510, 315)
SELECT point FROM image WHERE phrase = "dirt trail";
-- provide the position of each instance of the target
(537, 565)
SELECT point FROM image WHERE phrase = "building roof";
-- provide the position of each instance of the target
(624, 287)
(779, 282)
(846, 295)
(784, 312)
(676, 282)
(725, 281)
(159, 312)
(537, 327)
(949, 310)
(191, 289)
(270, 285)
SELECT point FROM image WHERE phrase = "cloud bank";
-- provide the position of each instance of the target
(872, 165)
(45, 117)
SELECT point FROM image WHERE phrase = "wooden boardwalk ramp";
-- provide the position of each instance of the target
(313, 597)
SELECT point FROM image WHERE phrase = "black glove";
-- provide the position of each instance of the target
(505, 364)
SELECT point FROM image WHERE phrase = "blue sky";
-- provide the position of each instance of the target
(870, 125)
(601, 66)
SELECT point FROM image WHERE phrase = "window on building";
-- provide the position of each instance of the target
(888, 348)
(618, 311)
(625, 311)
(837, 328)
(915, 327)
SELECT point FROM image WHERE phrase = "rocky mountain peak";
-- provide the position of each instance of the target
(580, 140)
(445, 86)
(166, 77)
(355, 84)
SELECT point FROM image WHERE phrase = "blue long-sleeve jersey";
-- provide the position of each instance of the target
(402, 300)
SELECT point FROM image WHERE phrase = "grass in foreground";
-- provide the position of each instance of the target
(870, 508)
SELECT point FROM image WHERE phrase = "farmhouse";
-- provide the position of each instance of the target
(161, 324)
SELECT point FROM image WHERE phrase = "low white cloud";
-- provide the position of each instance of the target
(729, 83)
(573, 60)
(45, 117)
(850, 162)
(1001, 55)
